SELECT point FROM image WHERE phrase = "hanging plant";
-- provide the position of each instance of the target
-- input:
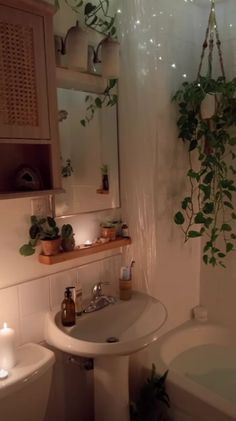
(97, 15)
(207, 117)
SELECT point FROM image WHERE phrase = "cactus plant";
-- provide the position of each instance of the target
(67, 235)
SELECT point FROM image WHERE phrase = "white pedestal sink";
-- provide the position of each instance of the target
(133, 324)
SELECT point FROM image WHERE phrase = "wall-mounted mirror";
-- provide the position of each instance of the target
(89, 156)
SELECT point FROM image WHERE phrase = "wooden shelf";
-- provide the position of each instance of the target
(84, 251)
(34, 193)
(72, 79)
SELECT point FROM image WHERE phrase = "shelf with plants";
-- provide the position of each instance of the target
(84, 251)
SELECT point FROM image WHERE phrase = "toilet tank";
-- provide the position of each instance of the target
(24, 394)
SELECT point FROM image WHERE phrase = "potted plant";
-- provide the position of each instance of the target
(208, 209)
(153, 402)
(46, 231)
(108, 230)
(67, 238)
(207, 124)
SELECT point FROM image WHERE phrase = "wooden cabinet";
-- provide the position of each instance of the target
(28, 107)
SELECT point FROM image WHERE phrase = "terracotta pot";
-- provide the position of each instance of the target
(109, 232)
(68, 244)
(51, 247)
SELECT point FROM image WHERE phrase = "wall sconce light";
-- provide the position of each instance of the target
(75, 46)
(110, 58)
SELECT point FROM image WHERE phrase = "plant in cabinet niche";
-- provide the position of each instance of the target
(207, 121)
(67, 237)
(46, 231)
(108, 98)
(67, 169)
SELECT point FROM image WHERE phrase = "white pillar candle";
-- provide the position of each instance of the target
(7, 347)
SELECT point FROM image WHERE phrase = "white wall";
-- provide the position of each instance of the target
(218, 286)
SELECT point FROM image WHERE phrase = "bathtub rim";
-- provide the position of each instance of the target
(199, 391)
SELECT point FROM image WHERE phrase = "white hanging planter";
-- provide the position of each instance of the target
(76, 48)
(208, 106)
(110, 58)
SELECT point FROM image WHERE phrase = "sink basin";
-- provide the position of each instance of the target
(132, 325)
(109, 336)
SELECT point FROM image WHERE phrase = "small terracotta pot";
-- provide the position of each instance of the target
(109, 232)
(51, 247)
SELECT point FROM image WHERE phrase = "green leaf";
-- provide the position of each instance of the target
(221, 255)
(193, 174)
(193, 145)
(207, 246)
(112, 83)
(229, 205)
(199, 218)
(233, 215)
(83, 122)
(26, 250)
(98, 102)
(208, 178)
(233, 236)
(205, 259)
(229, 247)
(208, 222)
(194, 234)
(179, 218)
(226, 227)
(228, 194)
(206, 190)
(208, 208)
(185, 202)
(89, 8)
(212, 261)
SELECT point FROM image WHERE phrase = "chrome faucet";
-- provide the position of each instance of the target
(99, 299)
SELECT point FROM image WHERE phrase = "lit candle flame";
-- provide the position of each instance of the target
(4, 325)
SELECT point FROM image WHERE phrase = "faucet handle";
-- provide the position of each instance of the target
(97, 289)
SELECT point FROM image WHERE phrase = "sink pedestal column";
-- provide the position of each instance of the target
(111, 388)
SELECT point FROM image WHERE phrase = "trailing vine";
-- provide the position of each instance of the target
(208, 210)
(105, 100)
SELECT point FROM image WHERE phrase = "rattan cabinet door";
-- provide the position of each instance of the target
(23, 79)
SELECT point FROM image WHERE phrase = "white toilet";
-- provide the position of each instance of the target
(24, 394)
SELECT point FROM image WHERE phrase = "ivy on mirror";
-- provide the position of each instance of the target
(108, 98)
(208, 210)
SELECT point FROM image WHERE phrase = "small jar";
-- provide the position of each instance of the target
(125, 289)
(124, 230)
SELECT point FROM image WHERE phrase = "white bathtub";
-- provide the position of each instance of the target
(201, 359)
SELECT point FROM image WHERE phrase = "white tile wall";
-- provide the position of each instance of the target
(24, 306)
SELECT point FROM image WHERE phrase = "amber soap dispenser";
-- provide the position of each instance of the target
(68, 308)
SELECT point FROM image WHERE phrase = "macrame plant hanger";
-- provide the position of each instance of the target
(212, 33)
